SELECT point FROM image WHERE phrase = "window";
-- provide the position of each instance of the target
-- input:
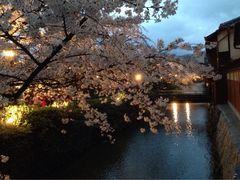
(237, 35)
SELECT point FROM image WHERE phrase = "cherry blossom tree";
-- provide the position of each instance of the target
(67, 50)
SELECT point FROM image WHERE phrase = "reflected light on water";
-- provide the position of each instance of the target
(188, 123)
(188, 112)
(175, 112)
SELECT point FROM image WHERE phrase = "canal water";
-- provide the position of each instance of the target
(136, 155)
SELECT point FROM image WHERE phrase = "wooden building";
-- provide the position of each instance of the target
(223, 52)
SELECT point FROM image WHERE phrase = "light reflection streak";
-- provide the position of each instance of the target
(175, 112)
(188, 123)
(188, 112)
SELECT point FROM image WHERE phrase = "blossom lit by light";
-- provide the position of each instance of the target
(10, 120)
(40, 86)
(42, 32)
(60, 104)
(4, 159)
(142, 130)
(13, 114)
(63, 131)
(120, 96)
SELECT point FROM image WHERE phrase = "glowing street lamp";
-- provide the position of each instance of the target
(118, 99)
(8, 53)
(138, 77)
(14, 114)
(10, 120)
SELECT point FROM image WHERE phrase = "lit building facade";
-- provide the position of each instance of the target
(223, 52)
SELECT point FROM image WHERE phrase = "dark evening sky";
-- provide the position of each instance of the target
(194, 20)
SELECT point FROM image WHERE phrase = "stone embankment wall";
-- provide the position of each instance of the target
(227, 141)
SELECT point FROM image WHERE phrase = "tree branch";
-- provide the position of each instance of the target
(8, 36)
(64, 25)
(10, 76)
(42, 65)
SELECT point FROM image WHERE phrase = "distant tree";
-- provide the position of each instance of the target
(63, 50)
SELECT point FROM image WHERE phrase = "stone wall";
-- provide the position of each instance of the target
(227, 141)
(227, 150)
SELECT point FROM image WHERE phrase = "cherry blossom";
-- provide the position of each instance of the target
(4, 158)
(63, 131)
(65, 51)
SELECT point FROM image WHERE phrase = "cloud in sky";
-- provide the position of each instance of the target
(194, 20)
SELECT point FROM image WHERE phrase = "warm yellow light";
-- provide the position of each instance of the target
(185, 81)
(8, 53)
(120, 96)
(13, 114)
(10, 120)
(118, 99)
(175, 112)
(60, 104)
(196, 77)
(188, 112)
(188, 123)
(65, 104)
(138, 77)
(40, 86)
(55, 104)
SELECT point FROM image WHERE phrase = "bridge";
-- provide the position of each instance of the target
(194, 93)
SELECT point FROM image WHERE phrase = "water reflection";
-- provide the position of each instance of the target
(188, 119)
(187, 107)
(151, 156)
(175, 112)
(181, 114)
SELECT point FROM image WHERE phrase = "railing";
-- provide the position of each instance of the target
(179, 96)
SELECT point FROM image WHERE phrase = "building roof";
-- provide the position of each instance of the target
(211, 37)
(228, 24)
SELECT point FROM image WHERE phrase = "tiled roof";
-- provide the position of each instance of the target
(225, 25)
(230, 23)
(211, 37)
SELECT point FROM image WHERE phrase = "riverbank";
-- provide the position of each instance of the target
(32, 156)
(41, 147)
